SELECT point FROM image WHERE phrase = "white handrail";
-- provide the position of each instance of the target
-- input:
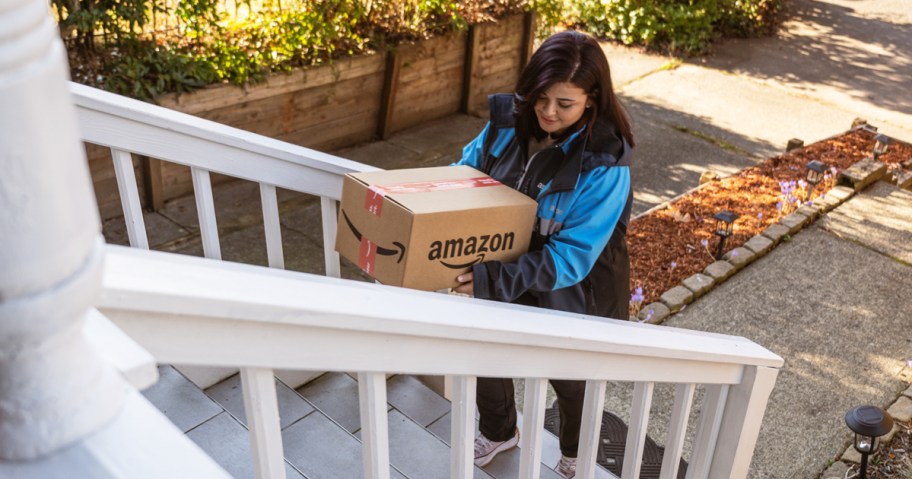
(201, 312)
(118, 122)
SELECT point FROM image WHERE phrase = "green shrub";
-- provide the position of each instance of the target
(678, 26)
(121, 45)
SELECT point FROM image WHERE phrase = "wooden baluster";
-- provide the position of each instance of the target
(262, 410)
(129, 198)
(462, 435)
(593, 407)
(205, 208)
(674, 444)
(374, 425)
(272, 226)
(636, 432)
(330, 225)
(704, 445)
(533, 427)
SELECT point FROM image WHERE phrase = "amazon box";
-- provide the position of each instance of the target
(421, 227)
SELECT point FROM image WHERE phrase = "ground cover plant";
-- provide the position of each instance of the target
(670, 244)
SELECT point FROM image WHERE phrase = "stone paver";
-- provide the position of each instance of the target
(840, 193)
(719, 270)
(890, 233)
(230, 396)
(759, 244)
(794, 222)
(812, 212)
(775, 232)
(654, 313)
(676, 298)
(862, 174)
(901, 410)
(740, 257)
(180, 400)
(836, 471)
(698, 284)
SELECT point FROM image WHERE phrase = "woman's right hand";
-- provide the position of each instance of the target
(468, 284)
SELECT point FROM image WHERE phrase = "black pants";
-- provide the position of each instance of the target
(497, 409)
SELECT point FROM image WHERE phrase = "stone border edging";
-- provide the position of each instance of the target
(851, 180)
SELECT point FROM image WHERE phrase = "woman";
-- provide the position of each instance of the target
(563, 139)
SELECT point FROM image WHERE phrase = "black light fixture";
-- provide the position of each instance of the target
(816, 170)
(868, 423)
(725, 223)
(880, 146)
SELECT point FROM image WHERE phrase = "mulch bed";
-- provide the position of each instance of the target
(892, 460)
(667, 245)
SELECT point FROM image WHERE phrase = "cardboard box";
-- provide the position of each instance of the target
(421, 227)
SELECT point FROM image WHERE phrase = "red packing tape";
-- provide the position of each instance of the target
(373, 202)
(367, 256)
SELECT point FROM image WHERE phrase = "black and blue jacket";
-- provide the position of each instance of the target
(578, 260)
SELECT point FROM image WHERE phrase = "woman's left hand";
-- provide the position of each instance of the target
(468, 284)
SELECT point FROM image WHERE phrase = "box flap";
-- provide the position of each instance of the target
(446, 188)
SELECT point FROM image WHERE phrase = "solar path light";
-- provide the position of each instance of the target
(725, 223)
(868, 423)
(816, 170)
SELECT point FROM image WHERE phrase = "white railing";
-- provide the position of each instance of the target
(130, 126)
(200, 312)
(208, 313)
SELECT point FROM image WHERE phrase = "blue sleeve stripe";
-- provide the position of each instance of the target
(473, 153)
(503, 139)
(592, 213)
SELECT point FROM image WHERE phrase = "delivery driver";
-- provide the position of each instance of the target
(564, 140)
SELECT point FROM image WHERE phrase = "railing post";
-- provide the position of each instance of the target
(741, 421)
(54, 389)
(65, 410)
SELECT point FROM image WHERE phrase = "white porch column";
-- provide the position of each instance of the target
(64, 412)
(53, 387)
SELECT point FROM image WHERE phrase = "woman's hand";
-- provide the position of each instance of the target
(468, 284)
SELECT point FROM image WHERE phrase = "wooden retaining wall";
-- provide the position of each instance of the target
(351, 101)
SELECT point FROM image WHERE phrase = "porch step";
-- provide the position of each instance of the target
(321, 428)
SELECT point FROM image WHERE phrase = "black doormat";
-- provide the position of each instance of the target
(613, 441)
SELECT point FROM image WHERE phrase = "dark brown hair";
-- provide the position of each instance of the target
(575, 58)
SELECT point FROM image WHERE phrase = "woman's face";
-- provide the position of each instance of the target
(560, 106)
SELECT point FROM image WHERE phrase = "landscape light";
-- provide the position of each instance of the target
(880, 146)
(868, 423)
(725, 223)
(816, 169)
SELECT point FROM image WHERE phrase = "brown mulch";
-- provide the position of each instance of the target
(892, 460)
(666, 245)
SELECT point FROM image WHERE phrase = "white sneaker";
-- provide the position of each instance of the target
(567, 466)
(486, 449)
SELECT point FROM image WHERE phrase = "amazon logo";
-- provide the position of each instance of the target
(400, 248)
(473, 245)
